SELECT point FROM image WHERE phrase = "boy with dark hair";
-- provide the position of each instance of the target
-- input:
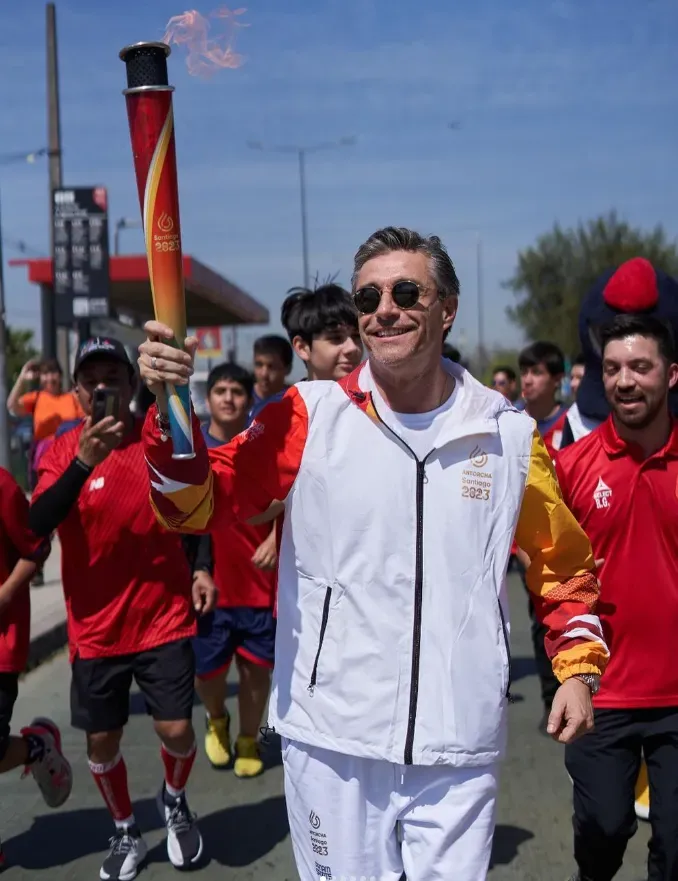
(504, 380)
(273, 357)
(242, 562)
(542, 367)
(322, 325)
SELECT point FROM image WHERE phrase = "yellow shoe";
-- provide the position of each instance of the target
(248, 762)
(643, 794)
(218, 742)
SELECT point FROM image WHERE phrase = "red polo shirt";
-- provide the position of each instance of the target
(127, 581)
(628, 506)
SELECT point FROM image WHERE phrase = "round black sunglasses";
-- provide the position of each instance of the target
(405, 295)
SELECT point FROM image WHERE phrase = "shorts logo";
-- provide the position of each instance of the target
(602, 494)
(314, 820)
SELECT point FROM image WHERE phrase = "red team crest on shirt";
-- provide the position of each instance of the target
(602, 494)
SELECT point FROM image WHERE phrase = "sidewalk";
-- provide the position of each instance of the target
(48, 612)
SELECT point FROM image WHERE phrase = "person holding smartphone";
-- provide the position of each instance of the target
(131, 608)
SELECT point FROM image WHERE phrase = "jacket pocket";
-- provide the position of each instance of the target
(507, 646)
(321, 638)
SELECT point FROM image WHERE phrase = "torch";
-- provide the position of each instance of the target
(151, 123)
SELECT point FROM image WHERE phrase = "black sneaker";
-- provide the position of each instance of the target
(127, 853)
(184, 843)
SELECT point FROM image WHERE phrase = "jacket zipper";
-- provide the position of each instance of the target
(504, 630)
(321, 638)
(418, 591)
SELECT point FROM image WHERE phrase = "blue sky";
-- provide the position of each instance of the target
(567, 109)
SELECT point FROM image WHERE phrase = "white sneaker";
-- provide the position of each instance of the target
(184, 842)
(52, 772)
(127, 853)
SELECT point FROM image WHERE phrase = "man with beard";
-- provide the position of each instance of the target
(621, 483)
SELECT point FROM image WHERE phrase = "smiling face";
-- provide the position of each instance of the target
(637, 380)
(229, 403)
(396, 337)
(333, 354)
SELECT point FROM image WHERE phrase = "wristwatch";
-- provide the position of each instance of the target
(590, 679)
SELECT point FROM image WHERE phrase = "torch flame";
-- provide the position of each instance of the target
(206, 54)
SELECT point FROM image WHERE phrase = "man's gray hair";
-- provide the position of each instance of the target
(394, 238)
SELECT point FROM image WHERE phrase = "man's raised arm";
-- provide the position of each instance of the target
(233, 482)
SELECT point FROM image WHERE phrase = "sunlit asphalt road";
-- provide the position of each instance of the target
(244, 823)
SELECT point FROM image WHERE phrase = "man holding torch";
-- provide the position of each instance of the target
(403, 485)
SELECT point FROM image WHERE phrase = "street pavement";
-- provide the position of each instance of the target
(244, 823)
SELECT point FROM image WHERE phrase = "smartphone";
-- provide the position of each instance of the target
(105, 402)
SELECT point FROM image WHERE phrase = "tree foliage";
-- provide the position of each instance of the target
(20, 349)
(553, 276)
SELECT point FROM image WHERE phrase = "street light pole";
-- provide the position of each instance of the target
(480, 307)
(123, 223)
(304, 226)
(301, 154)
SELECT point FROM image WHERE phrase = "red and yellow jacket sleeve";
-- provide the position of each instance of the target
(229, 483)
(561, 576)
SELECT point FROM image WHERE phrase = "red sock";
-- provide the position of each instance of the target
(177, 769)
(111, 779)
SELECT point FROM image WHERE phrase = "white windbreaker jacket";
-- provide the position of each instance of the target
(393, 626)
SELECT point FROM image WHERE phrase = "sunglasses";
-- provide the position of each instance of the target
(405, 295)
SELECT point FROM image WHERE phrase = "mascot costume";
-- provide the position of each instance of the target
(636, 286)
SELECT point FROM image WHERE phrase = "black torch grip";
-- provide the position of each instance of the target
(146, 64)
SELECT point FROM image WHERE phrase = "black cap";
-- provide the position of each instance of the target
(102, 347)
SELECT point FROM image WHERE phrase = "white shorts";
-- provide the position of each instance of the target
(354, 819)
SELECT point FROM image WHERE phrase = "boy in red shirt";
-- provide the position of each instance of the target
(242, 562)
(38, 748)
(621, 483)
(130, 610)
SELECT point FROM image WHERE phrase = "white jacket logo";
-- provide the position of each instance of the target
(478, 458)
(602, 494)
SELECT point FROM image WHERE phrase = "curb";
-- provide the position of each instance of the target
(47, 644)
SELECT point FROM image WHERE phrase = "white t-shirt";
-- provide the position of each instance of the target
(418, 430)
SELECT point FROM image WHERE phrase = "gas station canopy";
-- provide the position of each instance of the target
(211, 300)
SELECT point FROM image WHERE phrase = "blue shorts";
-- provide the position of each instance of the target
(243, 631)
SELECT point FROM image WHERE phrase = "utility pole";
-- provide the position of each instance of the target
(304, 227)
(4, 420)
(301, 154)
(479, 306)
(54, 343)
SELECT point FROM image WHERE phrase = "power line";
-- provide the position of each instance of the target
(22, 247)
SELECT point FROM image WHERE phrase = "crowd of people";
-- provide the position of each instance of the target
(346, 540)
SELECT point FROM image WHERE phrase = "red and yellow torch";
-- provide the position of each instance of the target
(151, 123)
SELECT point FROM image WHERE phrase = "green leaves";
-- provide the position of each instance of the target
(553, 276)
